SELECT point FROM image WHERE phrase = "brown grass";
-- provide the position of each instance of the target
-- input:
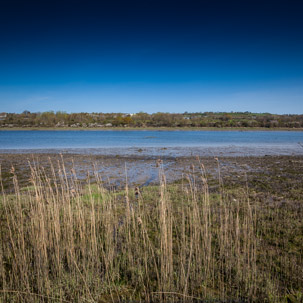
(64, 241)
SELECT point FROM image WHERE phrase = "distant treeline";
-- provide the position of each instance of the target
(144, 120)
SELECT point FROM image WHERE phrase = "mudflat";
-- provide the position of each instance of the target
(278, 177)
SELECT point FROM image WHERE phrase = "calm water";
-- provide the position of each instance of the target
(126, 140)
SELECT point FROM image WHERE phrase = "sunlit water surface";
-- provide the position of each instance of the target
(152, 143)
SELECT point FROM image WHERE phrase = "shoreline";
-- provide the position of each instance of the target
(154, 152)
(149, 129)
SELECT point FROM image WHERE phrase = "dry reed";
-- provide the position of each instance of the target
(64, 241)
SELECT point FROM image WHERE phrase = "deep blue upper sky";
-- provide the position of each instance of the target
(150, 55)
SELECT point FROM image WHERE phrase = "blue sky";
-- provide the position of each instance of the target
(151, 56)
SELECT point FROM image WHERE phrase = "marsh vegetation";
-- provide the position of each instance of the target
(66, 240)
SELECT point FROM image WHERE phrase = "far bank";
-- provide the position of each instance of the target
(151, 129)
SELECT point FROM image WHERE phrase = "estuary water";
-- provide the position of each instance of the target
(143, 142)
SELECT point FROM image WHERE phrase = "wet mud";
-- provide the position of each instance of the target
(275, 175)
